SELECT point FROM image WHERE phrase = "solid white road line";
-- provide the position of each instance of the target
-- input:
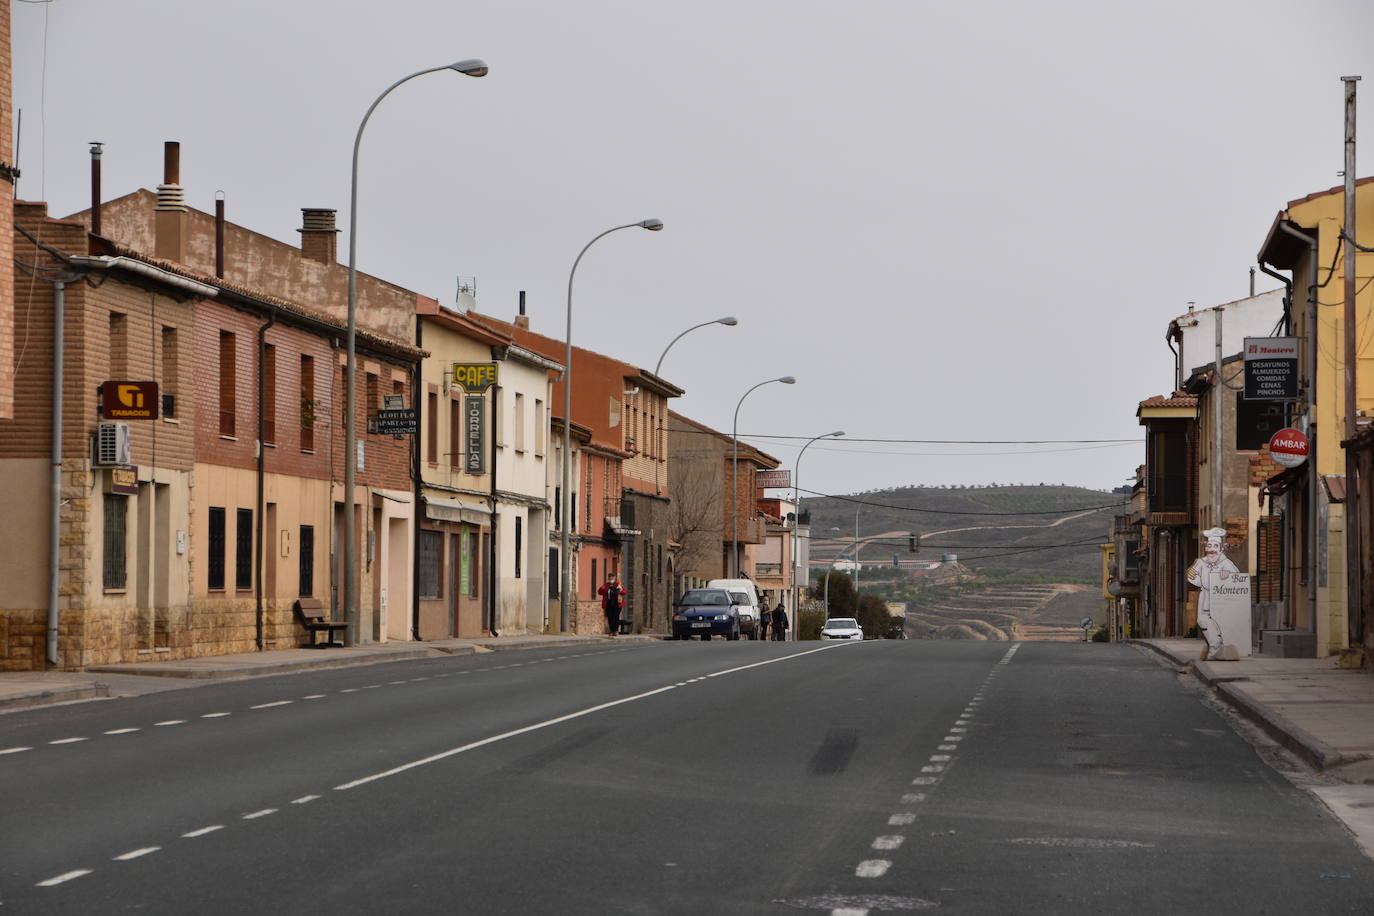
(443, 755)
(51, 882)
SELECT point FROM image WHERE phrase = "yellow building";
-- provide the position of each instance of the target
(1306, 240)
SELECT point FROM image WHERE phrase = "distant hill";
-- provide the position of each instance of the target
(1002, 533)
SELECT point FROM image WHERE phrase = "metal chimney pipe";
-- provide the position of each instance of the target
(219, 234)
(171, 162)
(96, 148)
(522, 302)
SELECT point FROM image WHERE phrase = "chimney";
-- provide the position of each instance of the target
(522, 320)
(219, 234)
(319, 238)
(169, 216)
(96, 148)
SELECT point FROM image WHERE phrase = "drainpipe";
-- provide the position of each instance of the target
(1312, 482)
(262, 470)
(494, 547)
(1287, 296)
(59, 301)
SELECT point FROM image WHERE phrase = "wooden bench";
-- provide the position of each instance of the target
(310, 612)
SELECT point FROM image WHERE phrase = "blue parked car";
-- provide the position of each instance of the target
(705, 612)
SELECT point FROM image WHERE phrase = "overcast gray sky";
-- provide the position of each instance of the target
(950, 221)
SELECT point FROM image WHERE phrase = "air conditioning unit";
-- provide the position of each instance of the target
(113, 446)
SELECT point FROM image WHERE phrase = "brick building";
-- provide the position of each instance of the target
(8, 175)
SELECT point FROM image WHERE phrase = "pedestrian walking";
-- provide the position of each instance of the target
(780, 622)
(613, 597)
(764, 616)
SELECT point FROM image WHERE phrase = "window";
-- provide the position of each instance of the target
(168, 383)
(243, 549)
(431, 551)
(592, 589)
(541, 428)
(519, 545)
(307, 403)
(115, 541)
(555, 574)
(307, 560)
(1256, 422)
(1170, 477)
(374, 399)
(269, 394)
(119, 345)
(228, 383)
(215, 544)
(432, 433)
(658, 575)
(519, 422)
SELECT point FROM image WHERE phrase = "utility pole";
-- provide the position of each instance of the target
(1353, 510)
(1218, 387)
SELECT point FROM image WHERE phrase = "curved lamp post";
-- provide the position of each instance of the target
(796, 503)
(565, 498)
(472, 67)
(734, 474)
(727, 321)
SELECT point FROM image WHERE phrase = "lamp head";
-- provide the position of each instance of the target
(730, 321)
(788, 380)
(471, 67)
(838, 432)
(653, 225)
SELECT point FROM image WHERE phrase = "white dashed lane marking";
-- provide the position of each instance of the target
(60, 879)
(304, 799)
(888, 842)
(14, 750)
(216, 715)
(68, 740)
(270, 705)
(135, 854)
(872, 868)
(171, 722)
(202, 831)
(123, 731)
(257, 814)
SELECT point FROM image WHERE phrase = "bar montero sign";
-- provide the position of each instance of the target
(1271, 368)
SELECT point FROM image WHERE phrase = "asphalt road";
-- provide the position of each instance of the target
(685, 778)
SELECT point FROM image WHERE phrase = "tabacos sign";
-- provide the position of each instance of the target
(129, 400)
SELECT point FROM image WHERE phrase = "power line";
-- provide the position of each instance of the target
(862, 502)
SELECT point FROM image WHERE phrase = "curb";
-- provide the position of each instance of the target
(1281, 729)
(53, 697)
(209, 673)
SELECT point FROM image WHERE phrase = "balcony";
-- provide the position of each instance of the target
(620, 518)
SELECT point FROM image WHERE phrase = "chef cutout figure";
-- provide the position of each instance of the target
(1209, 571)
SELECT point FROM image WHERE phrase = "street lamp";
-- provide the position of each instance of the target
(471, 67)
(727, 321)
(796, 507)
(653, 225)
(734, 475)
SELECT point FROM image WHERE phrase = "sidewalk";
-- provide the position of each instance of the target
(20, 689)
(1322, 713)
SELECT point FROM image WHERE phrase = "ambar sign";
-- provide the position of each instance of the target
(1288, 447)
(129, 400)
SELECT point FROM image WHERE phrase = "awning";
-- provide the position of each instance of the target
(447, 510)
(1335, 487)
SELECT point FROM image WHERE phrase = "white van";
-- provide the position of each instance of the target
(745, 596)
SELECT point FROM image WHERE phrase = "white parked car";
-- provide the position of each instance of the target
(842, 628)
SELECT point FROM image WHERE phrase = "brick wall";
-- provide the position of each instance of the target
(386, 458)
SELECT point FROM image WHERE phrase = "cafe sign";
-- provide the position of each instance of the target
(474, 378)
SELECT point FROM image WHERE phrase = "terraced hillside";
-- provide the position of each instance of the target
(1004, 612)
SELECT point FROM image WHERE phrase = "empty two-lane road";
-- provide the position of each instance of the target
(685, 778)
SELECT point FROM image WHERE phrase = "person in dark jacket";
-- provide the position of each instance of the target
(780, 622)
(612, 602)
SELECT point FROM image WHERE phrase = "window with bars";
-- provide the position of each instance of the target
(432, 430)
(519, 546)
(307, 561)
(214, 542)
(243, 549)
(115, 541)
(431, 549)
